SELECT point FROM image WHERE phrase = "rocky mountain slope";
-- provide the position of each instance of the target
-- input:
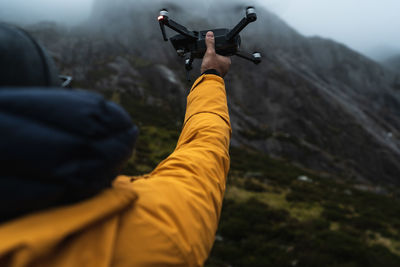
(312, 101)
(393, 63)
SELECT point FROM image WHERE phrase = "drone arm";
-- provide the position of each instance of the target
(250, 17)
(238, 28)
(163, 31)
(178, 28)
(255, 58)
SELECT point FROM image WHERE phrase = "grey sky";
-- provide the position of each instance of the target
(35, 10)
(369, 26)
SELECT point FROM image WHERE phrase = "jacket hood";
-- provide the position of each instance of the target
(24, 62)
(58, 147)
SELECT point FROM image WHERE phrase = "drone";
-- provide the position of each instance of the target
(191, 44)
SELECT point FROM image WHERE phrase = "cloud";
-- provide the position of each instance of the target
(368, 26)
(22, 11)
(365, 25)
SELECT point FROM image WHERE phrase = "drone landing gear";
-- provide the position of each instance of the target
(188, 65)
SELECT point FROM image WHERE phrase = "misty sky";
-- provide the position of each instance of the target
(34, 10)
(364, 25)
(368, 26)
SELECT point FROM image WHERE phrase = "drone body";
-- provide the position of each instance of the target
(191, 44)
(198, 47)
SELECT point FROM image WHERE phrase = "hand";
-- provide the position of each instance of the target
(213, 61)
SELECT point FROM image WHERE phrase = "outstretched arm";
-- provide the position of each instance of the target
(174, 220)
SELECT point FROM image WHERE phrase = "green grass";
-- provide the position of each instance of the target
(299, 211)
(153, 145)
(159, 132)
(269, 217)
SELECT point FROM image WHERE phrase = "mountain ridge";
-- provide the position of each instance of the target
(312, 101)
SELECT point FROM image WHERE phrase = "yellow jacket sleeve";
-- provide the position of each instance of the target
(174, 220)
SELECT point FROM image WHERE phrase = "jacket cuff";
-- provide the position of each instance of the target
(212, 71)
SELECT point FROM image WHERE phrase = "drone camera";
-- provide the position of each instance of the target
(180, 52)
(257, 57)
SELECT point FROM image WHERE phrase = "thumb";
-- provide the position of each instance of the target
(210, 42)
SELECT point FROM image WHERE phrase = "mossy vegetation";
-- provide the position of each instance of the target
(159, 133)
(299, 211)
(254, 133)
(290, 222)
(271, 217)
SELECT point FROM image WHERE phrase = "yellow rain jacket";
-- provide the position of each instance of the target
(166, 218)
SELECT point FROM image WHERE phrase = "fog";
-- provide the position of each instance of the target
(71, 12)
(369, 26)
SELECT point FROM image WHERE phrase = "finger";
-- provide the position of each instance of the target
(210, 42)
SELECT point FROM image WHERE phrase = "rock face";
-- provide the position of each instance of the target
(312, 101)
(393, 63)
